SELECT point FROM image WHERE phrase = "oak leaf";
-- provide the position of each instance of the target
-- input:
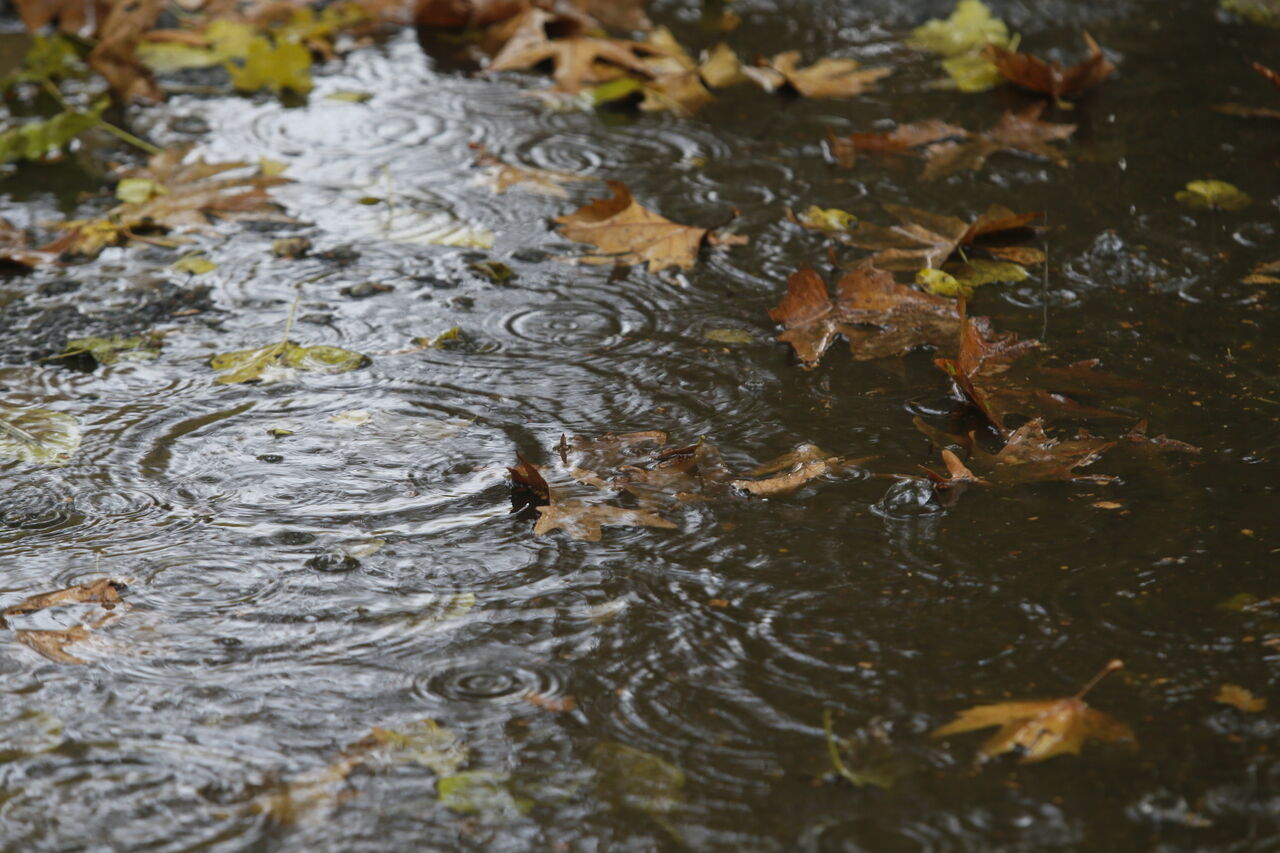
(1021, 131)
(1041, 729)
(1031, 72)
(578, 59)
(925, 240)
(878, 317)
(1028, 456)
(624, 232)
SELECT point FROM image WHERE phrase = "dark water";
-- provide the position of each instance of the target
(257, 648)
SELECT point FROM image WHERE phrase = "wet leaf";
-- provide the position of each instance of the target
(1039, 730)
(1265, 12)
(1022, 132)
(941, 283)
(272, 65)
(972, 72)
(464, 13)
(113, 349)
(826, 78)
(903, 139)
(979, 271)
(115, 55)
(223, 40)
(721, 68)
(37, 436)
(1239, 697)
(989, 371)
(859, 769)
(16, 250)
(924, 239)
(52, 57)
(584, 521)
(482, 792)
(38, 139)
(274, 363)
(792, 470)
(194, 263)
(72, 16)
(630, 778)
(1031, 72)
(527, 477)
(423, 742)
(960, 39)
(729, 336)
(878, 317)
(105, 593)
(831, 220)
(1213, 194)
(627, 233)
(1267, 272)
(500, 176)
(291, 248)
(579, 60)
(1028, 456)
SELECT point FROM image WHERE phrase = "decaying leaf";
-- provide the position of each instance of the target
(37, 436)
(878, 317)
(500, 176)
(278, 361)
(1219, 195)
(482, 792)
(826, 78)
(1022, 131)
(1267, 272)
(903, 139)
(624, 232)
(1039, 730)
(792, 470)
(1028, 456)
(630, 778)
(987, 370)
(925, 240)
(181, 195)
(1031, 72)
(53, 643)
(1239, 697)
(860, 768)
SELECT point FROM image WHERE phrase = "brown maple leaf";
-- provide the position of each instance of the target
(53, 643)
(826, 78)
(78, 17)
(627, 233)
(1041, 729)
(987, 371)
(182, 195)
(903, 139)
(578, 59)
(1016, 131)
(925, 240)
(878, 317)
(1031, 72)
(115, 54)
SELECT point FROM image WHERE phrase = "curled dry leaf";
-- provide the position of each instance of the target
(878, 317)
(1022, 131)
(1041, 729)
(627, 233)
(53, 643)
(1031, 72)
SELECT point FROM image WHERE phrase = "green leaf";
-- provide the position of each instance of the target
(113, 349)
(1265, 12)
(194, 263)
(631, 778)
(1213, 194)
(615, 90)
(273, 363)
(38, 139)
(970, 28)
(49, 58)
(979, 271)
(941, 283)
(830, 219)
(139, 190)
(277, 67)
(482, 792)
(227, 39)
(38, 436)
(496, 271)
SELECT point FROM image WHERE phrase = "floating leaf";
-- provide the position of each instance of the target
(941, 283)
(1031, 72)
(1022, 132)
(105, 593)
(113, 349)
(793, 470)
(579, 60)
(584, 521)
(1239, 697)
(826, 219)
(115, 54)
(1267, 272)
(924, 239)
(1039, 730)
(348, 96)
(482, 792)
(630, 778)
(38, 436)
(729, 336)
(195, 263)
(37, 139)
(867, 770)
(1213, 194)
(826, 78)
(500, 176)
(273, 65)
(903, 139)
(48, 58)
(970, 27)
(268, 364)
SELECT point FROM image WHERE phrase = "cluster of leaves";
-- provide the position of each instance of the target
(630, 480)
(657, 72)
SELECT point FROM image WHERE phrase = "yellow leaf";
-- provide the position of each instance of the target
(828, 219)
(273, 66)
(194, 263)
(138, 190)
(970, 27)
(1218, 194)
(941, 283)
(1239, 697)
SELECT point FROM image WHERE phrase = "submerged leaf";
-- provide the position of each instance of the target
(113, 349)
(500, 176)
(105, 593)
(37, 139)
(482, 792)
(270, 363)
(631, 778)
(1022, 132)
(1213, 194)
(37, 436)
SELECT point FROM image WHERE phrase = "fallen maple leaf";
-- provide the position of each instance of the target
(501, 176)
(1043, 729)
(1031, 72)
(926, 240)
(826, 78)
(115, 56)
(1021, 131)
(627, 233)
(901, 140)
(1028, 456)
(1239, 697)
(578, 59)
(52, 643)
(177, 195)
(986, 372)
(878, 317)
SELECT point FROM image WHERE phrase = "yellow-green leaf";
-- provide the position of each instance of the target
(941, 283)
(194, 263)
(349, 96)
(273, 363)
(729, 336)
(1217, 194)
(113, 349)
(39, 436)
(277, 67)
(970, 27)
(972, 72)
(979, 271)
(37, 139)
(484, 792)
(138, 190)
(828, 219)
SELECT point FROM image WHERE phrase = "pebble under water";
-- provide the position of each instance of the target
(298, 575)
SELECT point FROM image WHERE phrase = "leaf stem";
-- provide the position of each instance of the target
(118, 132)
(1112, 666)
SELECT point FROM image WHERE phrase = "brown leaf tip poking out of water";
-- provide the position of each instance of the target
(1032, 72)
